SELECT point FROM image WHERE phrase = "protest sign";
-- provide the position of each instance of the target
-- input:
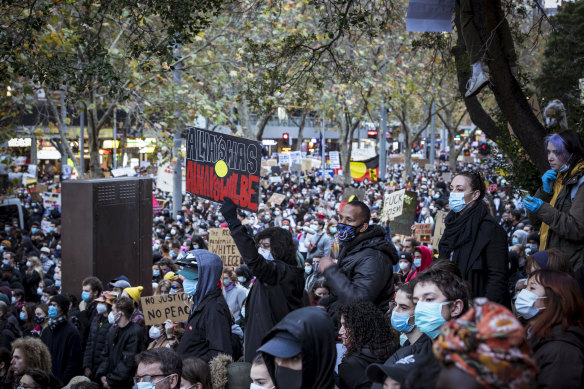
(403, 223)
(306, 165)
(51, 200)
(275, 180)
(123, 172)
(423, 232)
(222, 244)
(165, 178)
(157, 309)
(393, 205)
(430, 167)
(439, 228)
(296, 157)
(335, 160)
(220, 165)
(269, 162)
(276, 198)
(296, 167)
(284, 159)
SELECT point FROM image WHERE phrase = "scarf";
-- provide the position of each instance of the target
(460, 234)
(558, 186)
(53, 323)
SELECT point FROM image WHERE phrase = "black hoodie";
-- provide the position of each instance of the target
(364, 271)
(312, 327)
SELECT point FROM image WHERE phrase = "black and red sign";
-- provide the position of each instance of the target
(220, 165)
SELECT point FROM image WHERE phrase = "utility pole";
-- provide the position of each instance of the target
(64, 120)
(383, 142)
(177, 179)
(81, 142)
(322, 143)
(433, 134)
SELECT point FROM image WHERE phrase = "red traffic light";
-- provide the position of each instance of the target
(372, 134)
(286, 136)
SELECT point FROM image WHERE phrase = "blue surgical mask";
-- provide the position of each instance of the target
(7, 229)
(308, 269)
(173, 253)
(346, 232)
(22, 316)
(53, 312)
(58, 283)
(400, 321)
(417, 262)
(195, 246)
(429, 317)
(333, 230)
(524, 304)
(85, 296)
(190, 286)
(156, 273)
(51, 229)
(456, 201)
(514, 240)
(34, 230)
(5, 261)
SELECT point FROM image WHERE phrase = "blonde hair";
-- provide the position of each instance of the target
(35, 353)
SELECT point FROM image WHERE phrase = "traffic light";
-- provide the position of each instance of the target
(484, 149)
(286, 138)
(372, 134)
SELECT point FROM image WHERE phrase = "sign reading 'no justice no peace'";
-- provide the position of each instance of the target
(220, 165)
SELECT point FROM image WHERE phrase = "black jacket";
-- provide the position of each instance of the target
(422, 346)
(118, 364)
(96, 343)
(352, 370)
(208, 330)
(560, 359)
(9, 330)
(85, 320)
(277, 290)
(315, 331)
(64, 344)
(364, 271)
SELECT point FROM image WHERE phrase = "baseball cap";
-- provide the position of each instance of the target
(407, 256)
(282, 345)
(189, 267)
(120, 284)
(397, 370)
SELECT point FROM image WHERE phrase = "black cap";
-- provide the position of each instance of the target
(407, 256)
(397, 370)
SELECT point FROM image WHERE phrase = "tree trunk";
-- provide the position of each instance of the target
(407, 151)
(301, 130)
(452, 154)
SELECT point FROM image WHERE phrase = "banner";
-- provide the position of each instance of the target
(220, 166)
(51, 200)
(222, 244)
(165, 178)
(439, 228)
(158, 309)
(335, 160)
(393, 205)
(403, 224)
(423, 232)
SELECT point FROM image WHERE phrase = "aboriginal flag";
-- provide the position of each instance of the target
(367, 169)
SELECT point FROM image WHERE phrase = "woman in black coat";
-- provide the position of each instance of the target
(475, 241)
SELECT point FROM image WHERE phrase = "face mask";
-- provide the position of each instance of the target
(190, 286)
(417, 262)
(154, 332)
(28, 263)
(13, 300)
(5, 261)
(429, 317)
(39, 319)
(53, 313)
(58, 247)
(173, 254)
(533, 248)
(456, 201)
(156, 273)
(288, 378)
(399, 321)
(34, 230)
(267, 217)
(101, 308)
(287, 228)
(402, 339)
(333, 230)
(22, 316)
(308, 269)
(155, 247)
(564, 168)
(241, 279)
(196, 246)
(172, 232)
(404, 266)
(85, 296)
(227, 282)
(51, 229)
(314, 227)
(7, 229)
(58, 283)
(524, 304)
(39, 290)
(111, 318)
(265, 253)
(346, 232)
(256, 386)
(551, 122)
(242, 311)
(44, 299)
(514, 241)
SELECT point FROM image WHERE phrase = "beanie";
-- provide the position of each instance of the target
(541, 257)
(135, 293)
(62, 301)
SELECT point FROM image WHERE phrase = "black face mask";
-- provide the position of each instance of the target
(288, 378)
(39, 319)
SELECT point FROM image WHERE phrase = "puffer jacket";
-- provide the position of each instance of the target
(364, 271)
(96, 342)
(565, 219)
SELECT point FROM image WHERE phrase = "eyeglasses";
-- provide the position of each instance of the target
(147, 378)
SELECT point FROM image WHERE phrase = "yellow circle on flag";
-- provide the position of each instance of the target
(221, 168)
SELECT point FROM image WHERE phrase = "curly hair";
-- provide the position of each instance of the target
(35, 353)
(367, 326)
(281, 244)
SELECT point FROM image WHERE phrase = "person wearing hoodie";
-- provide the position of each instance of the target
(208, 330)
(364, 266)
(554, 308)
(279, 284)
(300, 351)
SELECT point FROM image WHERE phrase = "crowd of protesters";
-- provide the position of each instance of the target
(326, 295)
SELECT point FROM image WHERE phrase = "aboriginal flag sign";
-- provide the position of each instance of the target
(220, 165)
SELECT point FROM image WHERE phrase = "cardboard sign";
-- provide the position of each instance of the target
(296, 167)
(158, 309)
(430, 167)
(123, 172)
(423, 232)
(403, 223)
(493, 188)
(393, 205)
(296, 157)
(447, 177)
(220, 165)
(439, 228)
(335, 160)
(277, 198)
(51, 200)
(165, 178)
(350, 194)
(275, 180)
(222, 244)
(271, 162)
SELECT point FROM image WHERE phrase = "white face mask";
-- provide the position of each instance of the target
(154, 332)
(256, 386)
(111, 318)
(101, 308)
(265, 253)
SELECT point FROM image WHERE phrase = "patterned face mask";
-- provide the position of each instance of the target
(346, 233)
